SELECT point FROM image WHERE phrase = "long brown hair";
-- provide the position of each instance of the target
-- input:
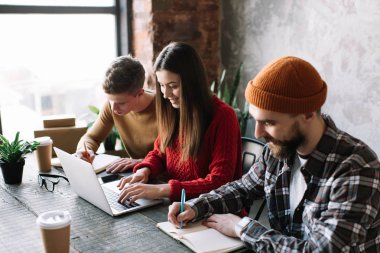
(193, 117)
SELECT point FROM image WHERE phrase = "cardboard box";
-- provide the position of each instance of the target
(65, 138)
(60, 120)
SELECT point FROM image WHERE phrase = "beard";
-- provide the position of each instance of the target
(286, 149)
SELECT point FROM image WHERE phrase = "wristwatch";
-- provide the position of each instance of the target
(241, 225)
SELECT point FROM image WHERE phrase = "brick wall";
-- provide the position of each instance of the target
(158, 22)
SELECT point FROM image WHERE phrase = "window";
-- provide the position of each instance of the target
(53, 58)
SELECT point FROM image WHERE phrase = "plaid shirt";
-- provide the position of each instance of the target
(338, 213)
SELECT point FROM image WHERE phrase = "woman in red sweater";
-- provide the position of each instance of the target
(199, 144)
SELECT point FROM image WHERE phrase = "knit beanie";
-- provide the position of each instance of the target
(287, 85)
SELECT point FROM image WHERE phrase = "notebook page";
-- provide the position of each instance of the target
(101, 161)
(178, 233)
(211, 241)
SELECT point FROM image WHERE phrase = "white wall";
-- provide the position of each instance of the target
(340, 38)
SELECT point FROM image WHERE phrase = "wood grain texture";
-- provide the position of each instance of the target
(92, 230)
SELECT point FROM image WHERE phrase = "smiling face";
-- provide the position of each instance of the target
(170, 86)
(281, 131)
(123, 103)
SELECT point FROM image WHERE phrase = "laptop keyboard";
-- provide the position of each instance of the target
(112, 198)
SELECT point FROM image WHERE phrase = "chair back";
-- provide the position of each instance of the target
(251, 151)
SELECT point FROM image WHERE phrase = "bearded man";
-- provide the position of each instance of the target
(321, 185)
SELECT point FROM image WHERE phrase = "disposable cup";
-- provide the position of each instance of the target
(44, 153)
(55, 231)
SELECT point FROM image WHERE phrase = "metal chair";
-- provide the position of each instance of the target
(251, 151)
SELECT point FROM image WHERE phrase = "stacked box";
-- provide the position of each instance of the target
(63, 132)
(62, 120)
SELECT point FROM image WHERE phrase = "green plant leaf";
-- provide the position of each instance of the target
(11, 152)
(227, 93)
(94, 109)
(221, 80)
(235, 84)
(219, 94)
(212, 87)
(217, 87)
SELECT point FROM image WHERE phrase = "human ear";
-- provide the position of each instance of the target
(139, 92)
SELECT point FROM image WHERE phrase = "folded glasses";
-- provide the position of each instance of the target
(50, 180)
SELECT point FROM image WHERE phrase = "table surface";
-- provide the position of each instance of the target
(92, 230)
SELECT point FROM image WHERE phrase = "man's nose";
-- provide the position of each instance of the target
(114, 107)
(259, 130)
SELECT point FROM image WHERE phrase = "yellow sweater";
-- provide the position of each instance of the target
(137, 130)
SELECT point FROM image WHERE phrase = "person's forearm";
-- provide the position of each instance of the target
(145, 171)
(164, 190)
(153, 160)
(90, 143)
(225, 201)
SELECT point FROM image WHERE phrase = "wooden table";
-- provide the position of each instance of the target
(92, 230)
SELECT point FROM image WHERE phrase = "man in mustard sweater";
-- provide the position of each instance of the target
(129, 108)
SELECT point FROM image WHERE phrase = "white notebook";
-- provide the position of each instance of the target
(201, 239)
(101, 161)
(99, 164)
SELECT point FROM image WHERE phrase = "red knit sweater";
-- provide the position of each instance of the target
(219, 161)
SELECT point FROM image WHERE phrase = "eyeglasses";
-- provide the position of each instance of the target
(50, 180)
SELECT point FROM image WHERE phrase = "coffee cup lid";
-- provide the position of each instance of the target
(45, 140)
(54, 219)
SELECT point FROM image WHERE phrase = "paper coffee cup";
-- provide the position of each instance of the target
(44, 153)
(55, 231)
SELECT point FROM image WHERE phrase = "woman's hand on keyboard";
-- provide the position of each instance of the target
(141, 176)
(140, 190)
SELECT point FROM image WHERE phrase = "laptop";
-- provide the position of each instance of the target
(98, 192)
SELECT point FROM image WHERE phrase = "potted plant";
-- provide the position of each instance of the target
(12, 157)
(227, 93)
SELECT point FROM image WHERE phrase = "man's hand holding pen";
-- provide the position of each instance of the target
(175, 216)
(86, 154)
(224, 223)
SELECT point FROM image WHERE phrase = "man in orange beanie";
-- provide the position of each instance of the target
(322, 186)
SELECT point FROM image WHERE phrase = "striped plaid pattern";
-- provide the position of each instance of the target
(338, 213)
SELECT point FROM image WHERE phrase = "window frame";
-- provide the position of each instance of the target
(121, 10)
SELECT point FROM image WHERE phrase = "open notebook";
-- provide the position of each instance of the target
(201, 239)
(101, 161)
(99, 164)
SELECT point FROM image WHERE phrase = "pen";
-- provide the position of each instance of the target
(86, 154)
(183, 199)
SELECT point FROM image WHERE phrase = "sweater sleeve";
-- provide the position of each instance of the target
(222, 145)
(99, 130)
(154, 160)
